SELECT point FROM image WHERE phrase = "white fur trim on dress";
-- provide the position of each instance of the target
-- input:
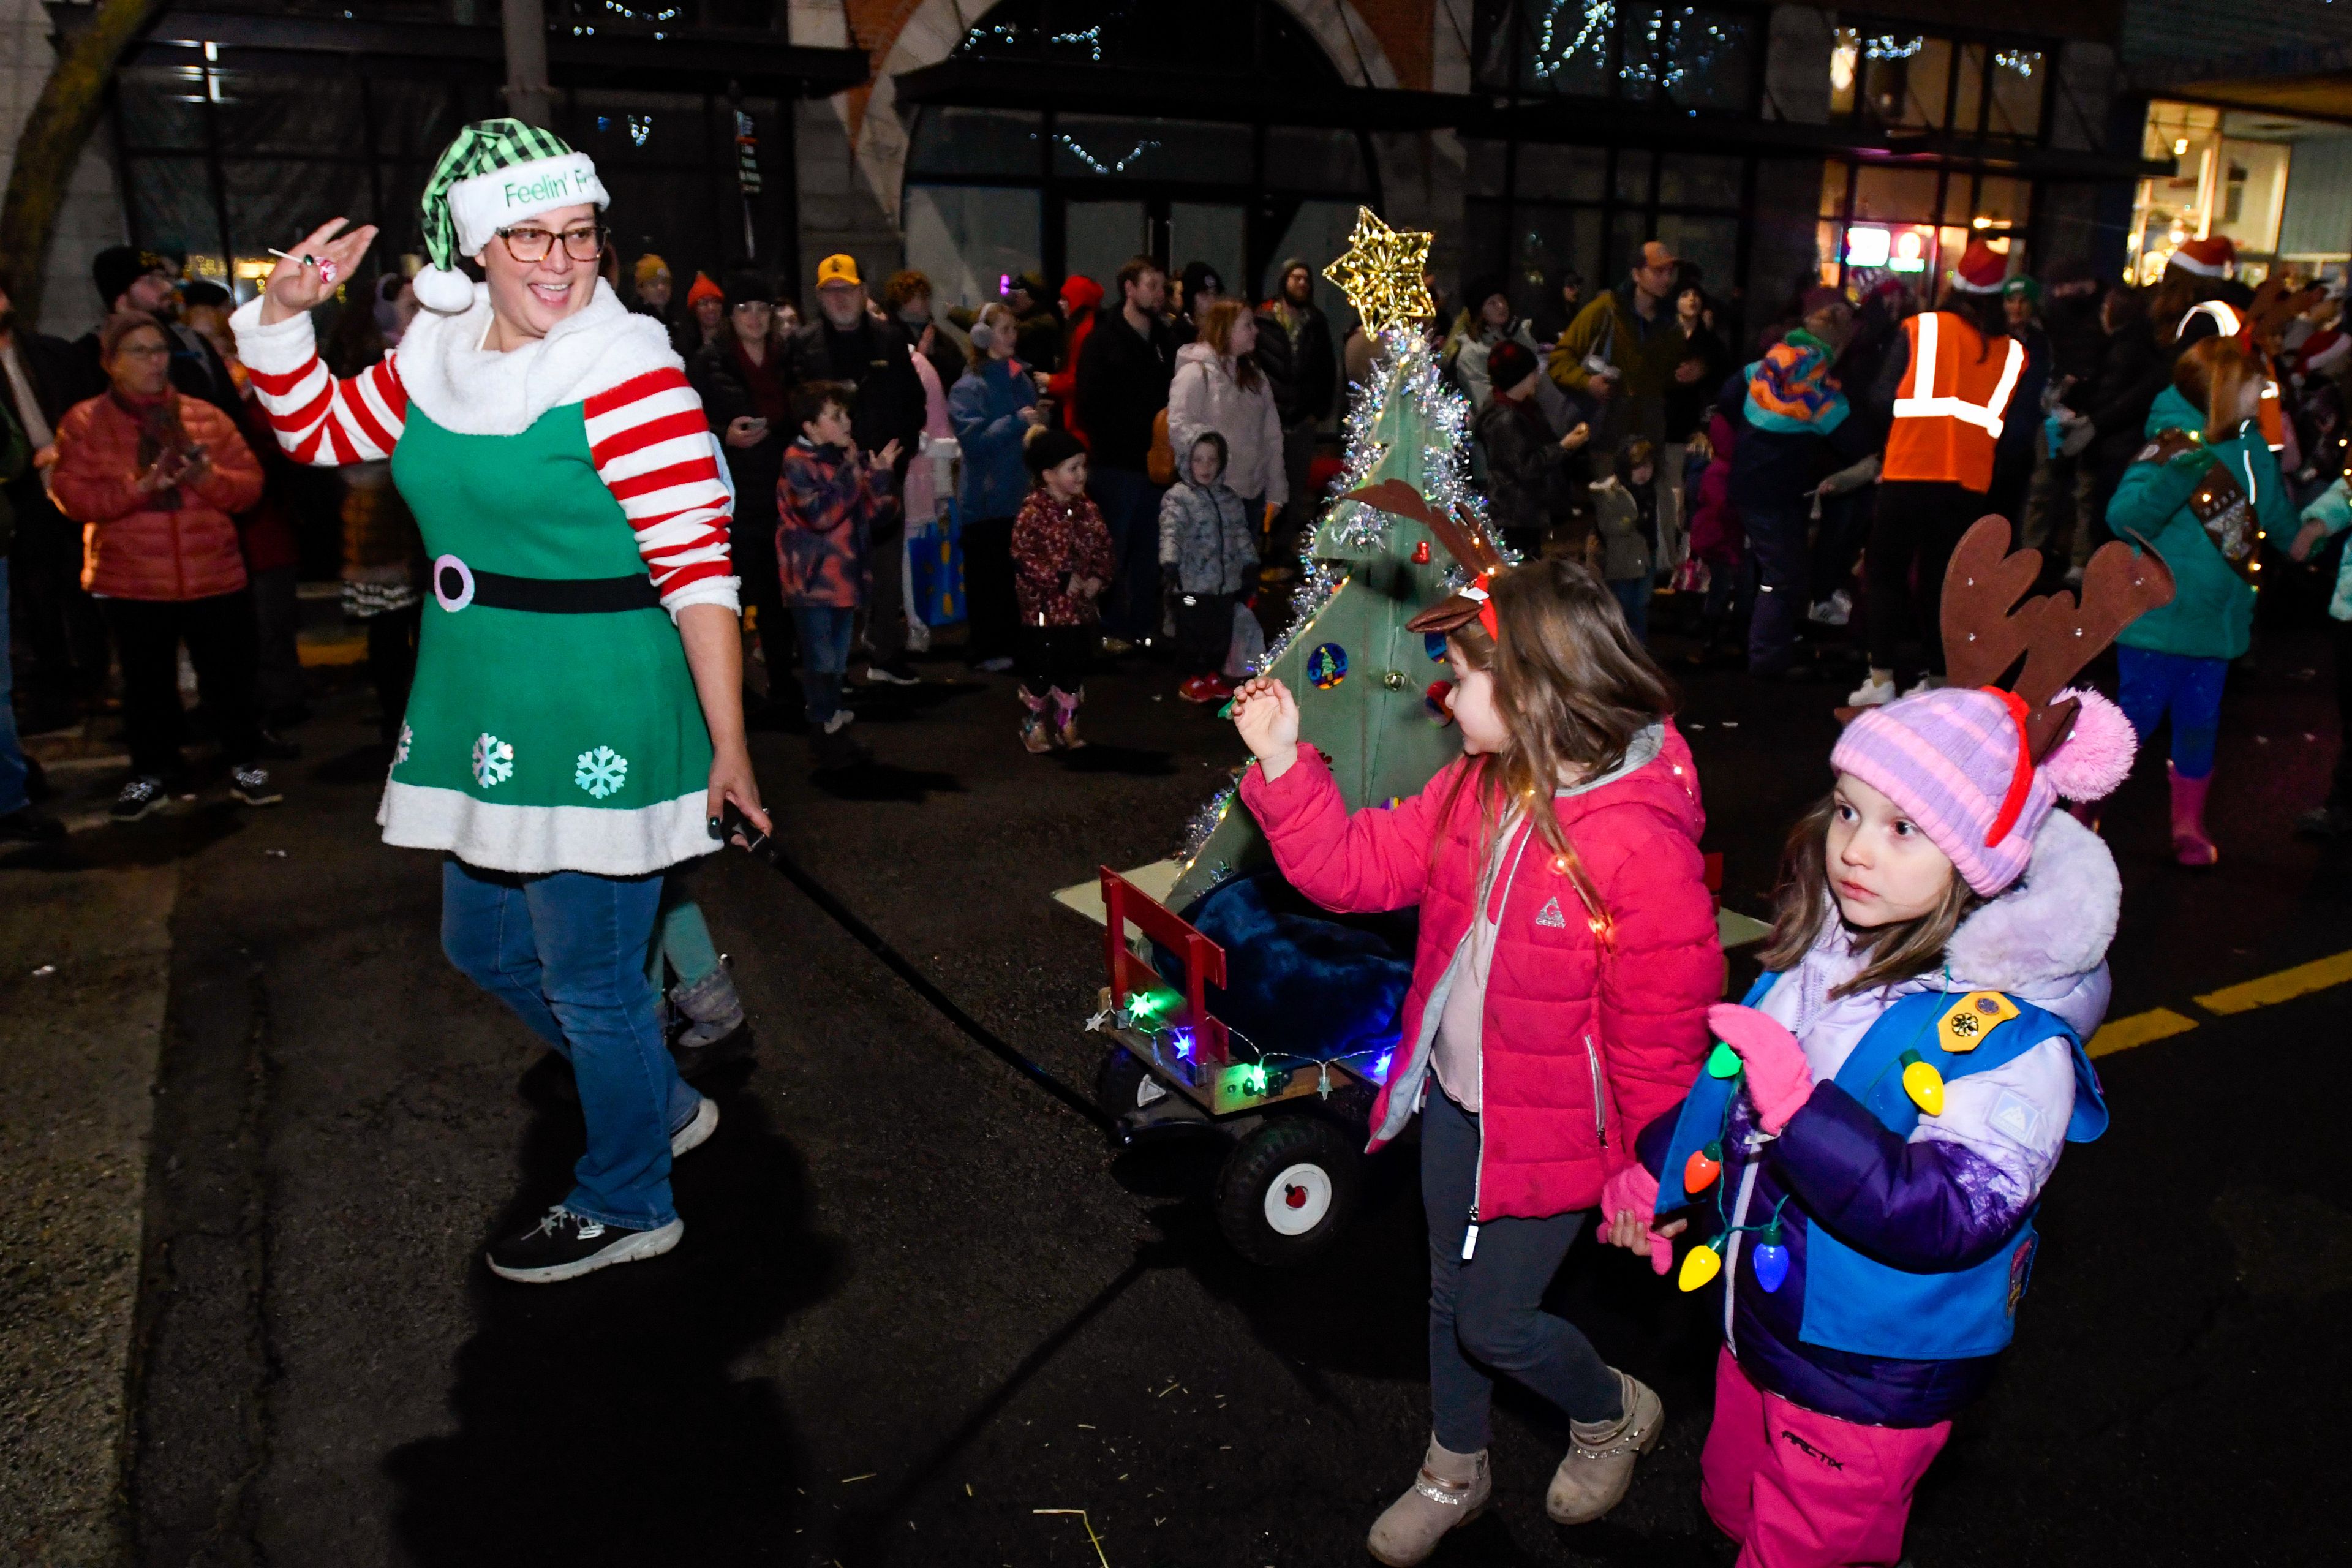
(470, 390)
(481, 204)
(532, 840)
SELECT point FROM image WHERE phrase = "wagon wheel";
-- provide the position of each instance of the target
(1287, 1190)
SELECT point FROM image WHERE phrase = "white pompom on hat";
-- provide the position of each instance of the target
(496, 173)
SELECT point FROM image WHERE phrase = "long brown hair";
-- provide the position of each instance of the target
(1217, 323)
(1802, 903)
(1572, 686)
(2212, 372)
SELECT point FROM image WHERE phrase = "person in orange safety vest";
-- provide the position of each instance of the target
(1952, 382)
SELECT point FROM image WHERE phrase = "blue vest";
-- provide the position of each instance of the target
(1854, 1302)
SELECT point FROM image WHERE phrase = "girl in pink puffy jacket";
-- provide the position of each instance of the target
(1566, 958)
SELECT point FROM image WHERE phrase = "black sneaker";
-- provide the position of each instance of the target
(252, 786)
(564, 1245)
(140, 796)
(697, 1130)
(26, 825)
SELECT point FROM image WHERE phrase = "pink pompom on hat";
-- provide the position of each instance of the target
(1957, 762)
(1978, 768)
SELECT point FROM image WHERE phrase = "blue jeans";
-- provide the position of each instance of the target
(2190, 688)
(1487, 1316)
(567, 951)
(13, 771)
(1633, 598)
(824, 633)
(1130, 509)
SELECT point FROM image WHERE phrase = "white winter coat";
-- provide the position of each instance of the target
(1205, 396)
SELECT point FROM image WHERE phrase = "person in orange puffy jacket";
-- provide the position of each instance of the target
(155, 477)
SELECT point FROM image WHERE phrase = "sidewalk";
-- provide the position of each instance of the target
(84, 965)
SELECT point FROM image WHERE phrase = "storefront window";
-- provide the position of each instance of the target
(1918, 81)
(2278, 188)
(1694, 56)
(1912, 223)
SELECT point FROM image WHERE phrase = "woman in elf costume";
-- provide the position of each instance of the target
(576, 724)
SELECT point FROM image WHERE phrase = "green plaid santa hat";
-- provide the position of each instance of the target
(496, 173)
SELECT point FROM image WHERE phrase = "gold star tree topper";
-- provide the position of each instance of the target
(1381, 273)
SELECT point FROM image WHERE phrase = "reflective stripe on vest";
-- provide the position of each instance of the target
(1948, 406)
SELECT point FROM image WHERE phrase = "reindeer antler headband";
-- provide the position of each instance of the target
(1467, 543)
(1983, 637)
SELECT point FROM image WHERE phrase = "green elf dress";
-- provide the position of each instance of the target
(567, 492)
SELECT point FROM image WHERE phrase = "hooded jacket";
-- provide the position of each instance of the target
(1207, 395)
(1205, 534)
(171, 544)
(1965, 1182)
(1081, 305)
(2212, 611)
(1592, 1026)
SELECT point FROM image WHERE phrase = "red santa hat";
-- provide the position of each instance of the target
(2212, 257)
(1982, 269)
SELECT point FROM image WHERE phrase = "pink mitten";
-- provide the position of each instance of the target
(1780, 1081)
(1634, 1188)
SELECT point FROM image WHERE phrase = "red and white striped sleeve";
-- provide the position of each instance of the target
(317, 418)
(652, 447)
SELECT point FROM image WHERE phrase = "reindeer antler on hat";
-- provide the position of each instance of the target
(1979, 767)
(1467, 543)
(1984, 636)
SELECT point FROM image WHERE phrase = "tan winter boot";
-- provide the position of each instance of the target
(1599, 1467)
(1450, 1490)
(1036, 724)
(1066, 717)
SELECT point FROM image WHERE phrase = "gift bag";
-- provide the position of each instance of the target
(1248, 645)
(935, 564)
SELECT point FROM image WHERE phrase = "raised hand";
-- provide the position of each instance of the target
(293, 288)
(1267, 714)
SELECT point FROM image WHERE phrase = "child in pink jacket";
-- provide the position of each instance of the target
(1570, 1012)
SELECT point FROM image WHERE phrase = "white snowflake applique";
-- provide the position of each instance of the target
(400, 748)
(493, 760)
(601, 771)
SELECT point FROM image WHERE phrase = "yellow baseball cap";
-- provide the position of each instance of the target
(837, 270)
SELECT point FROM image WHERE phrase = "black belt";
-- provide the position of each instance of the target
(458, 586)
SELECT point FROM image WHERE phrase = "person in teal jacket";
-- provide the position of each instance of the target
(2330, 514)
(2203, 493)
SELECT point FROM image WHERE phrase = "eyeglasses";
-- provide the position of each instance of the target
(755, 307)
(143, 351)
(581, 242)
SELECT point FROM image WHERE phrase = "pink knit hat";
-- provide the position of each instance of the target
(1956, 762)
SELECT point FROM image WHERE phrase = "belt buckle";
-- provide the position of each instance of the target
(463, 595)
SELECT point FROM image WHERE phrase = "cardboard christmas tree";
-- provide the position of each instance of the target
(1371, 695)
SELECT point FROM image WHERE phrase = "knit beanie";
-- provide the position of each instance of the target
(495, 175)
(117, 267)
(746, 288)
(704, 288)
(650, 267)
(1509, 364)
(1049, 446)
(1954, 761)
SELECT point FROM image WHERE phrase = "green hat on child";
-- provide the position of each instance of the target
(496, 173)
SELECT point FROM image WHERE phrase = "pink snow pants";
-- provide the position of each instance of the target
(1802, 1490)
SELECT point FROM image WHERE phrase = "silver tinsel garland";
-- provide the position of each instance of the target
(1402, 365)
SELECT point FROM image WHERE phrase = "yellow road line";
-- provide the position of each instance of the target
(2123, 1034)
(2283, 987)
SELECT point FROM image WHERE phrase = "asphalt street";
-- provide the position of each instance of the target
(919, 1300)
